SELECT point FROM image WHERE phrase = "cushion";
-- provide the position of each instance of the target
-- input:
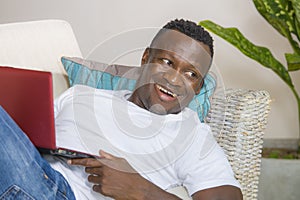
(39, 45)
(120, 77)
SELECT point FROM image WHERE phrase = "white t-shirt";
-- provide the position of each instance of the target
(168, 150)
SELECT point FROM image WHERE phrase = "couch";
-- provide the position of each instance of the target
(238, 117)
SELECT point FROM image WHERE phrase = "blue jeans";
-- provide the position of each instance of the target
(24, 174)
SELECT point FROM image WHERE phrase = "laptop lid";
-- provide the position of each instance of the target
(27, 96)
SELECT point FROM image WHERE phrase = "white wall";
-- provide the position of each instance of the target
(94, 21)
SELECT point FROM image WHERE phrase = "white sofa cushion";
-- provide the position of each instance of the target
(39, 45)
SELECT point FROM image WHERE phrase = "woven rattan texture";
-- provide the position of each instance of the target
(238, 118)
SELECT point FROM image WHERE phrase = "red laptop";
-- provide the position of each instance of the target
(27, 96)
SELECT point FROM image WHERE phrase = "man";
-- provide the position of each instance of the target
(149, 140)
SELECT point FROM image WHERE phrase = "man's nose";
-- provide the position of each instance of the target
(173, 77)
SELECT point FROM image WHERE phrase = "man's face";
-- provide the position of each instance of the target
(168, 80)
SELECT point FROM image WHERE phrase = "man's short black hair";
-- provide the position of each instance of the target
(192, 30)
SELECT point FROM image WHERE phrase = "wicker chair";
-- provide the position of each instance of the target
(238, 118)
(238, 121)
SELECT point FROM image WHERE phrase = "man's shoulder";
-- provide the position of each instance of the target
(88, 89)
(83, 92)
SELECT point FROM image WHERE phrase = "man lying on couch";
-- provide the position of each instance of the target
(135, 161)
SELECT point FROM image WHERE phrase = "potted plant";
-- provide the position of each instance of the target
(283, 16)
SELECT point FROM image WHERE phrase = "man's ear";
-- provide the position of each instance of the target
(145, 56)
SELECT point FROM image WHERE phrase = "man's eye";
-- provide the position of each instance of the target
(191, 74)
(166, 61)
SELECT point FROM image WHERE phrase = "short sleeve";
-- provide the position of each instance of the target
(205, 165)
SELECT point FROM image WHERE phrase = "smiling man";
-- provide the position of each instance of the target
(182, 150)
(149, 140)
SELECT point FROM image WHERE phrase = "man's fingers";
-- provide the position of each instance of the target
(92, 162)
(94, 179)
(87, 162)
(97, 188)
(106, 155)
(94, 170)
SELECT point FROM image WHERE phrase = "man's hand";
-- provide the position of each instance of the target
(114, 177)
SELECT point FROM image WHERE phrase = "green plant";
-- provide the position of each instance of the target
(284, 16)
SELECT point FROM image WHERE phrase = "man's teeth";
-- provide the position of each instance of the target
(166, 91)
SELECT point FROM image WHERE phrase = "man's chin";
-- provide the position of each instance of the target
(158, 109)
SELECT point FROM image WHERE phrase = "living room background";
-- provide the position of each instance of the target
(94, 21)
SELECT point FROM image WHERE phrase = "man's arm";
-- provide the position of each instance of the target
(226, 192)
(114, 177)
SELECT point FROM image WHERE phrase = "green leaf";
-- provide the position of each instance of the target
(281, 15)
(296, 6)
(297, 26)
(257, 53)
(293, 61)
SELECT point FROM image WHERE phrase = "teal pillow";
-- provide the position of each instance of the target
(117, 77)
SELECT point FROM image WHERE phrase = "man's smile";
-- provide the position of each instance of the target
(165, 94)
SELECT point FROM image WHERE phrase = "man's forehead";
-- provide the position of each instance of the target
(184, 46)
